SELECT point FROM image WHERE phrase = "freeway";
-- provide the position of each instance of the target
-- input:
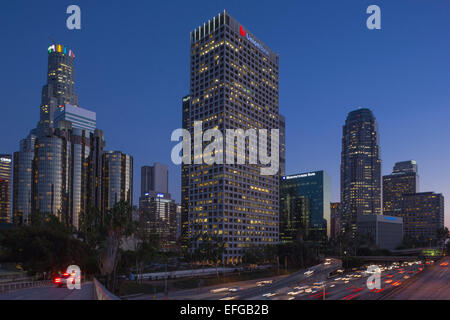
(50, 292)
(433, 284)
(349, 286)
(251, 288)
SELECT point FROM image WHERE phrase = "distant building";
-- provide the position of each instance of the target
(80, 118)
(58, 168)
(179, 225)
(386, 231)
(403, 180)
(154, 178)
(117, 179)
(360, 169)
(335, 225)
(305, 206)
(423, 215)
(159, 212)
(282, 145)
(5, 187)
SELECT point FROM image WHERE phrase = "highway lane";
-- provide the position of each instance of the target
(249, 289)
(350, 286)
(433, 284)
(50, 292)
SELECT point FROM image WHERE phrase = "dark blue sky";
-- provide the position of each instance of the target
(132, 68)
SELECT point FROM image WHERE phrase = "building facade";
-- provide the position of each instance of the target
(423, 215)
(117, 179)
(282, 145)
(234, 85)
(385, 231)
(403, 180)
(154, 178)
(5, 187)
(336, 217)
(305, 207)
(159, 212)
(360, 169)
(58, 169)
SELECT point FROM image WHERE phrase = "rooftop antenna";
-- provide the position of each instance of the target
(51, 39)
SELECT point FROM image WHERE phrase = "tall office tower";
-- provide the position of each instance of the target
(305, 207)
(159, 212)
(234, 85)
(403, 180)
(23, 180)
(60, 87)
(406, 166)
(423, 215)
(335, 214)
(117, 179)
(5, 187)
(154, 178)
(360, 169)
(186, 114)
(282, 145)
(58, 167)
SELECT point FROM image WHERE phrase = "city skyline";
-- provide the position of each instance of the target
(298, 134)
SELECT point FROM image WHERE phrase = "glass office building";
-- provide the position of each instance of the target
(5, 187)
(117, 179)
(58, 168)
(305, 206)
(360, 169)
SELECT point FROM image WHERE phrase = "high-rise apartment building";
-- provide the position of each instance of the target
(360, 169)
(5, 187)
(117, 179)
(403, 180)
(154, 178)
(57, 169)
(234, 85)
(305, 206)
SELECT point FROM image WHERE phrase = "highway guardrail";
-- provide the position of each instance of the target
(101, 293)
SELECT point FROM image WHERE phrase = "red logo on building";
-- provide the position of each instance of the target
(242, 32)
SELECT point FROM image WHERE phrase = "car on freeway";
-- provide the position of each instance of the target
(62, 279)
(235, 289)
(444, 264)
(309, 273)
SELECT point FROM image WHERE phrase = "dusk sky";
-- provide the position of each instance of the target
(132, 69)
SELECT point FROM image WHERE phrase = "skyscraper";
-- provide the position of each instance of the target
(159, 212)
(117, 179)
(360, 169)
(5, 187)
(234, 85)
(423, 215)
(335, 225)
(282, 145)
(403, 180)
(305, 206)
(154, 178)
(186, 123)
(58, 167)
